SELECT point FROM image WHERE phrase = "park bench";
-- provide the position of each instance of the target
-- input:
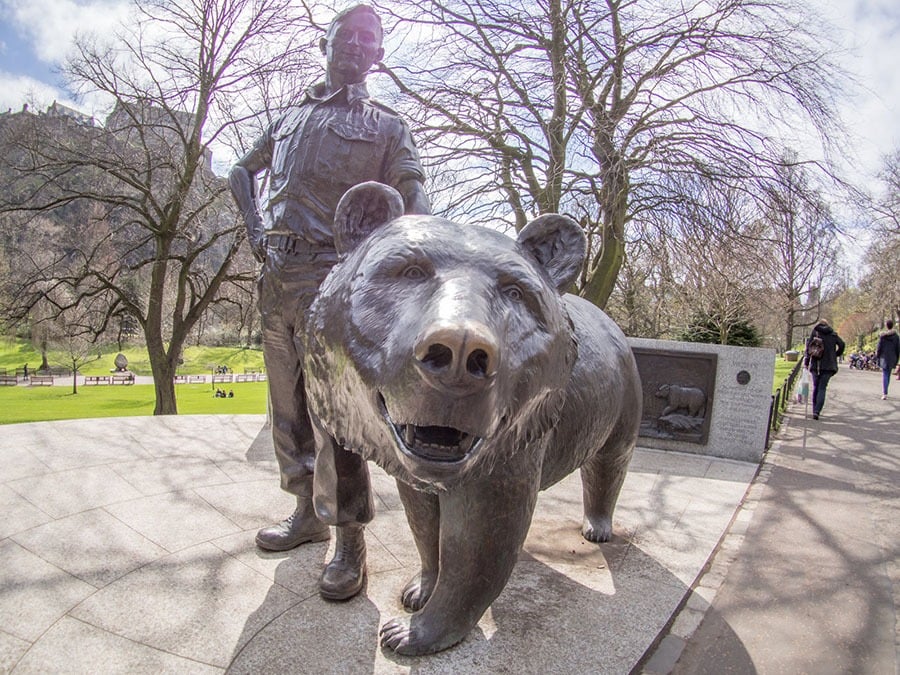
(122, 379)
(8, 380)
(96, 379)
(41, 380)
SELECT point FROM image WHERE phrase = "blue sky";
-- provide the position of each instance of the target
(36, 34)
(17, 56)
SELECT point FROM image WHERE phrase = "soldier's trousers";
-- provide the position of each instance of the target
(287, 286)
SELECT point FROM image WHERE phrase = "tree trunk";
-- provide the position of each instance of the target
(789, 330)
(613, 201)
(164, 386)
(45, 365)
(163, 377)
(602, 281)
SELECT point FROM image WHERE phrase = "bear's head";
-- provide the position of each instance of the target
(438, 349)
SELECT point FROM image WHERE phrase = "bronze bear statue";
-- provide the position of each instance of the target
(450, 356)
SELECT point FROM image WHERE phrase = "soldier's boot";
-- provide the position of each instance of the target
(344, 576)
(301, 527)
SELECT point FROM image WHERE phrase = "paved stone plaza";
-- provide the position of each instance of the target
(127, 546)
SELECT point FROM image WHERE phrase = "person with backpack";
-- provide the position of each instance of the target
(887, 353)
(823, 349)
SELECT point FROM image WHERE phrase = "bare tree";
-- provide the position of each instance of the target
(163, 235)
(73, 337)
(712, 249)
(597, 108)
(644, 302)
(881, 281)
(803, 265)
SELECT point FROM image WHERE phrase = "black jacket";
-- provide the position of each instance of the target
(834, 347)
(888, 350)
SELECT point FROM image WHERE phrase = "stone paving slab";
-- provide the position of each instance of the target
(127, 546)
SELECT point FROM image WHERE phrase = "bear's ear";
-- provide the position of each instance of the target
(559, 246)
(362, 210)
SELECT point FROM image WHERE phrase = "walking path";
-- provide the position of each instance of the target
(127, 547)
(808, 578)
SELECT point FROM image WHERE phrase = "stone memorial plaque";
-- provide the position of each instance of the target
(705, 399)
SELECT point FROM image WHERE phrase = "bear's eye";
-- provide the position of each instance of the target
(513, 292)
(414, 273)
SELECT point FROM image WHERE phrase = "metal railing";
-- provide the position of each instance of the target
(780, 400)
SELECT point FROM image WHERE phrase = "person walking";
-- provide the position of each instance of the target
(823, 349)
(335, 138)
(887, 353)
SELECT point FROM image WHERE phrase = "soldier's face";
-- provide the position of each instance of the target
(353, 45)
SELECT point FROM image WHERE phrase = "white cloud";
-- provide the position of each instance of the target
(51, 25)
(18, 89)
(868, 30)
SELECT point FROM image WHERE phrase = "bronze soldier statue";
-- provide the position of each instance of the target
(335, 138)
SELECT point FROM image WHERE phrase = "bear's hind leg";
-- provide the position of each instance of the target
(424, 516)
(601, 480)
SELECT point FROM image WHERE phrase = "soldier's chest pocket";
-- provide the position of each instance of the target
(286, 141)
(350, 151)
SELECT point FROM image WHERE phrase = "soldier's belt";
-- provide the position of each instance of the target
(294, 245)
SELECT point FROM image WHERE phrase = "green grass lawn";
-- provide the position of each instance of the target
(197, 359)
(782, 370)
(41, 404)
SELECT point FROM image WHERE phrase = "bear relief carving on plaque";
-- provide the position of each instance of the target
(678, 390)
(685, 408)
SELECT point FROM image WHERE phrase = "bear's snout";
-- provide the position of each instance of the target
(459, 355)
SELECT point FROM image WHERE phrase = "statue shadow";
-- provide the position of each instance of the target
(569, 606)
(311, 635)
(261, 449)
(715, 648)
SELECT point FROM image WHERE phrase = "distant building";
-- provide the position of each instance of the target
(162, 130)
(171, 128)
(57, 109)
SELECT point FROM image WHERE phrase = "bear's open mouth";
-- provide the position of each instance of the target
(438, 444)
(432, 443)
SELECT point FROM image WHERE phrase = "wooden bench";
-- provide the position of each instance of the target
(41, 380)
(96, 379)
(122, 379)
(8, 380)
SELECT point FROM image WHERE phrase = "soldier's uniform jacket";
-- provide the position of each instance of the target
(324, 146)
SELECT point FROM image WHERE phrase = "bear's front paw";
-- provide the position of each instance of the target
(597, 530)
(416, 593)
(411, 636)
